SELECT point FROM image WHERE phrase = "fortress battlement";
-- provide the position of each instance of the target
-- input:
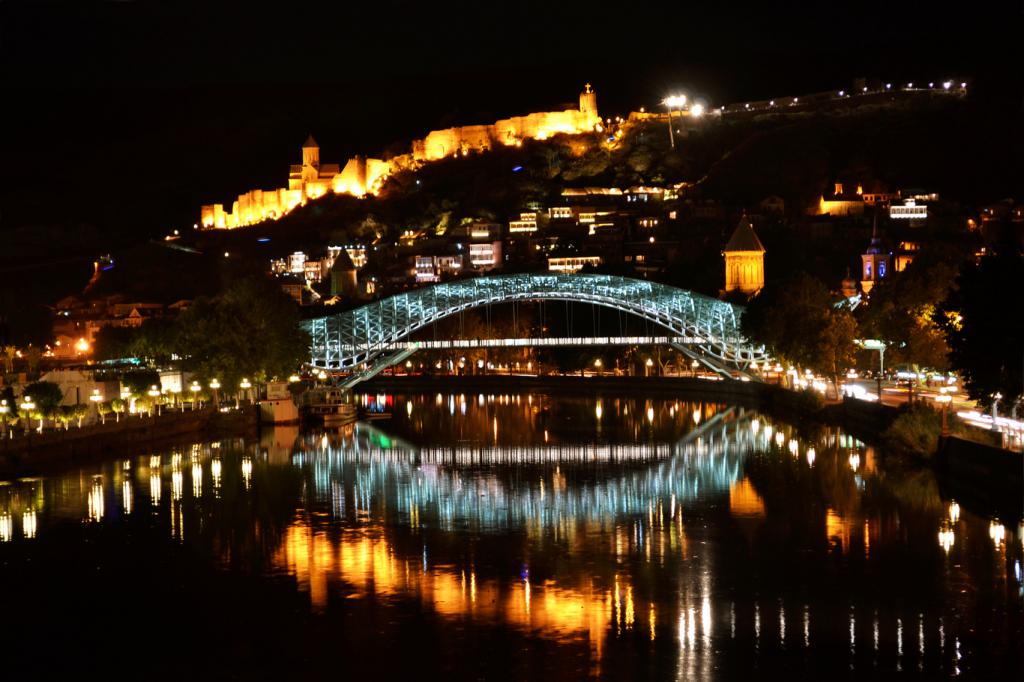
(361, 176)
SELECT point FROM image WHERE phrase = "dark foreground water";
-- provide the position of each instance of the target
(521, 537)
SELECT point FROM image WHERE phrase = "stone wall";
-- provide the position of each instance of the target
(361, 176)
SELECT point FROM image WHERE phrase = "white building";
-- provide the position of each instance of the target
(297, 263)
(432, 268)
(527, 223)
(572, 263)
(485, 256)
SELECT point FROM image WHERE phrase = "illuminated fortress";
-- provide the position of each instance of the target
(361, 176)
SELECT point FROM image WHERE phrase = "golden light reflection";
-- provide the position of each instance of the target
(29, 523)
(95, 501)
(997, 532)
(154, 487)
(6, 527)
(197, 480)
(126, 495)
(946, 539)
(837, 529)
(369, 565)
(247, 472)
(176, 484)
(744, 500)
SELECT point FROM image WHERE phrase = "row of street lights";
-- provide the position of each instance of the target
(155, 392)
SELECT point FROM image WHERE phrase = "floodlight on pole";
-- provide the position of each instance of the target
(673, 102)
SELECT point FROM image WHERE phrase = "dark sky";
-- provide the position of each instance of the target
(125, 116)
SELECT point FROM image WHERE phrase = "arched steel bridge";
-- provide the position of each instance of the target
(378, 332)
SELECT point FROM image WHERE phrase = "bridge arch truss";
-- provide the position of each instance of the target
(362, 335)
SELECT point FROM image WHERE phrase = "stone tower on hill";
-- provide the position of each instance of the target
(588, 103)
(744, 259)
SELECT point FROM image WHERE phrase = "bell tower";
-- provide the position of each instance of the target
(874, 261)
(588, 103)
(311, 153)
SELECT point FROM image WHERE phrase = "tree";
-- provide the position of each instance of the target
(103, 409)
(46, 395)
(798, 322)
(836, 345)
(251, 330)
(32, 356)
(79, 412)
(155, 340)
(984, 327)
(901, 312)
(10, 352)
(138, 382)
(118, 406)
(63, 415)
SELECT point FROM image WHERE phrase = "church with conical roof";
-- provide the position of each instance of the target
(744, 259)
(874, 261)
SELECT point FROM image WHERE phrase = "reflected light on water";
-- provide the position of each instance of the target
(613, 530)
(247, 472)
(197, 480)
(95, 500)
(997, 532)
(154, 488)
(29, 523)
(946, 539)
(176, 485)
(370, 565)
(126, 495)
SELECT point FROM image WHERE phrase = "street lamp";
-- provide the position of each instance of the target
(996, 397)
(944, 399)
(27, 406)
(4, 409)
(96, 398)
(597, 364)
(245, 386)
(673, 101)
(648, 364)
(154, 393)
(214, 385)
(195, 388)
(875, 344)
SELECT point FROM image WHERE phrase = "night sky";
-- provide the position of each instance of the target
(127, 115)
(124, 117)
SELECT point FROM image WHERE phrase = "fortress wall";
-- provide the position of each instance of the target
(360, 176)
(377, 171)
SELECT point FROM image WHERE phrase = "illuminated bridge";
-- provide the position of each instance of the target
(376, 335)
(708, 459)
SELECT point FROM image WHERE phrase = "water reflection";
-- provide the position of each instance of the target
(712, 539)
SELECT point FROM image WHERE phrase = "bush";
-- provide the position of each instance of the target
(915, 432)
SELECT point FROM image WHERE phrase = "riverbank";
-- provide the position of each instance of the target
(35, 453)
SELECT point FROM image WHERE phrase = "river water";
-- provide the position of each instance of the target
(508, 536)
